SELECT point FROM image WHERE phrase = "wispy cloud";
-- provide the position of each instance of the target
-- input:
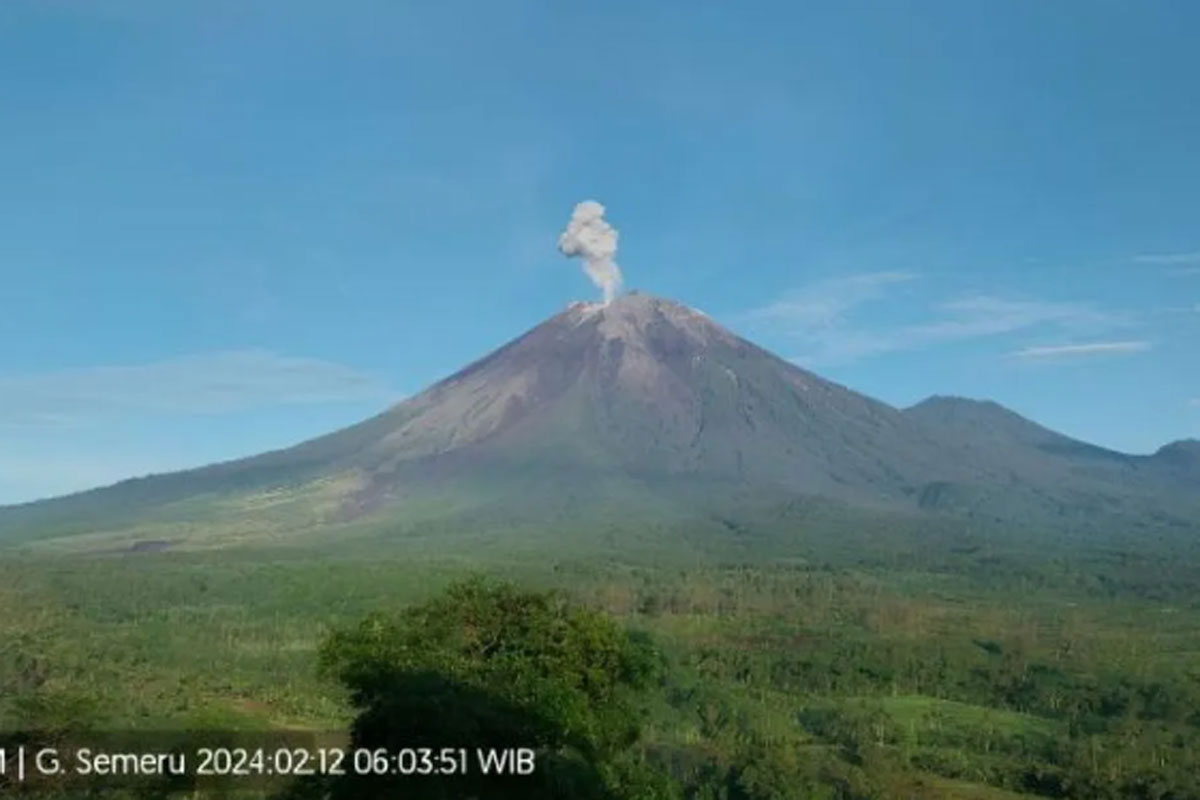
(213, 383)
(1080, 350)
(1194, 402)
(820, 319)
(823, 304)
(1192, 257)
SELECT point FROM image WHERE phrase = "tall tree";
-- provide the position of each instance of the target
(489, 666)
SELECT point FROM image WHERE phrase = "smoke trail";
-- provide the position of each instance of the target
(589, 236)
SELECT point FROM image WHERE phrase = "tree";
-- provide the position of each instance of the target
(486, 665)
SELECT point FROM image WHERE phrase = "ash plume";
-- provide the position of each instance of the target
(591, 238)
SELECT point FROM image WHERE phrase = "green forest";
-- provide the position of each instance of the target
(978, 674)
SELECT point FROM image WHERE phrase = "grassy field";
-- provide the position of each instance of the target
(980, 676)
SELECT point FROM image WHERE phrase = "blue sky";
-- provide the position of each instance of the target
(228, 226)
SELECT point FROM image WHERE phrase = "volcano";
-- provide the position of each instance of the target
(641, 414)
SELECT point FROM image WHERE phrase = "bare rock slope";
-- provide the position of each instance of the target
(645, 407)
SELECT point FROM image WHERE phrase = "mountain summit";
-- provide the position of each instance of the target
(630, 412)
(649, 388)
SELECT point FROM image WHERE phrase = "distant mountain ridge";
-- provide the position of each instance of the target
(980, 421)
(644, 409)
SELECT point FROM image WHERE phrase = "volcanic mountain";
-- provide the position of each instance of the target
(636, 413)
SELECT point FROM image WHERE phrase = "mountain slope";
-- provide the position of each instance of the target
(638, 411)
(1028, 466)
(651, 389)
(1181, 458)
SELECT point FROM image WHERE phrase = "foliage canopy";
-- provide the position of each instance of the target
(486, 665)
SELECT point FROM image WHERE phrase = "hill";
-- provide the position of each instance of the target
(638, 413)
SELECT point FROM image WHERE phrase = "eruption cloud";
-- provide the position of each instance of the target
(591, 238)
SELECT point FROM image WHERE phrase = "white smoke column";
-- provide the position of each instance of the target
(589, 236)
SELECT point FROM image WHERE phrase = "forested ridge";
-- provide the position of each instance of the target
(984, 675)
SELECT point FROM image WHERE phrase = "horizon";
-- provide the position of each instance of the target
(641, 400)
(230, 231)
(596, 305)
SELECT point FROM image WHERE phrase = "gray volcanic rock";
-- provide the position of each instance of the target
(645, 408)
(652, 388)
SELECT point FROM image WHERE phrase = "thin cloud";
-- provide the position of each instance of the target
(1194, 402)
(213, 383)
(824, 303)
(1169, 258)
(820, 318)
(1077, 350)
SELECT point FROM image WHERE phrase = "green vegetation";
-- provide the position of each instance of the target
(842, 599)
(967, 673)
(491, 665)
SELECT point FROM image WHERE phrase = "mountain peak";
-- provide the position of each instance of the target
(967, 415)
(1183, 445)
(1182, 454)
(949, 402)
(633, 311)
(644, 406)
